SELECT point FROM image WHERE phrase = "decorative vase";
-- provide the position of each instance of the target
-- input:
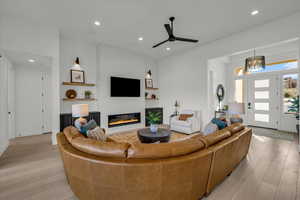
(153, 128)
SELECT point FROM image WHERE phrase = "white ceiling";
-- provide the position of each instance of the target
(20, 59)
(123, 21)
(284, 50)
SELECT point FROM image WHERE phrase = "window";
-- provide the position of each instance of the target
(261, 117)
(290, 91)
(239, 91)
(262, 83)
(262, 106)
(278, 66)
(261, 94)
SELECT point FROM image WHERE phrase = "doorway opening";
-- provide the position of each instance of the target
(29, 94)
(270, 97)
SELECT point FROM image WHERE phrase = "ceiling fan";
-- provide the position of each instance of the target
(173, 38)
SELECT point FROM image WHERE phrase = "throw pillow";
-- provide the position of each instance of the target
(184, 117)
(97, 134)
(90, 125)
(210, 128)
(221, 124)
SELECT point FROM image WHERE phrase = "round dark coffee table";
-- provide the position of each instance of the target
(146, 136)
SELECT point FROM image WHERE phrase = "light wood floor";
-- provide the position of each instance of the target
(31, 169)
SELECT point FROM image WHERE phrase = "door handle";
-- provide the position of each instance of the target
(249, 105)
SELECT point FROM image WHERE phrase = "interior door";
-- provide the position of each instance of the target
(263, 100)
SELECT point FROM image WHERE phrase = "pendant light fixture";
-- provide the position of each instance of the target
(255, 63)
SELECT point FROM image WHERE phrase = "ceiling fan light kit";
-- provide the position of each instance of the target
(172, 38)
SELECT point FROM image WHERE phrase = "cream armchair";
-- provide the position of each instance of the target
(191, 125)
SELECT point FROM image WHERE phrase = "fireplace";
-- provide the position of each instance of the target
(123, 119)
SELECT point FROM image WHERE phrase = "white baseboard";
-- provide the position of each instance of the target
(3, 148)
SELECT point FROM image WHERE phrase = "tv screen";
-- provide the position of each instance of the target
(125, 87)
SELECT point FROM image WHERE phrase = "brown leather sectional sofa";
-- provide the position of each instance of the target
(185, 169)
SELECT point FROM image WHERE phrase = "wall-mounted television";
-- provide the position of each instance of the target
(125, 87)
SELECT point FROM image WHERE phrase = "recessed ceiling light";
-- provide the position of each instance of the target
(254, 12)
(168, 48)
(31, 60)
(97, 23)
(141, 38)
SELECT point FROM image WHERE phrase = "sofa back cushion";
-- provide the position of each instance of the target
(71, 133)
(165, 150)
(95, 147)
(98, 148)
(216, 137)
(235, 128)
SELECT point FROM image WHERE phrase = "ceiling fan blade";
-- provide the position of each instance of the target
(169, 30)
(160, 43)
(185, 39)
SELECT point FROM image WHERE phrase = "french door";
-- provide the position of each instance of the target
(262, 107)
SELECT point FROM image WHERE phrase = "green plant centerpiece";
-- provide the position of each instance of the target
(294, 108)
(154, 119)
(88, 94)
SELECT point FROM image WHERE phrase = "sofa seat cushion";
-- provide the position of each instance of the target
(98, 148)
(165, 150)
(216, 137)
(71, 133)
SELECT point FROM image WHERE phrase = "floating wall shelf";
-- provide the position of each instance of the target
(152, 99)
(79, 99)
(151, 88)
(79, 84)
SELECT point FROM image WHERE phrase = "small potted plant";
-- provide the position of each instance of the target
(154, 119)
(294, 108)
(88, 94)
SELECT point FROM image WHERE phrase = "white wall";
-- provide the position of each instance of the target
(22, 36)
(69, 50)
(217, 68)
(4, 138)
(100, 62)
(117, 62)
(187, 73)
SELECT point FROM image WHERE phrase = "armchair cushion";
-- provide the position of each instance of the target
(177, 122)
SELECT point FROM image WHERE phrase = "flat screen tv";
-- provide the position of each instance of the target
(125, 87)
